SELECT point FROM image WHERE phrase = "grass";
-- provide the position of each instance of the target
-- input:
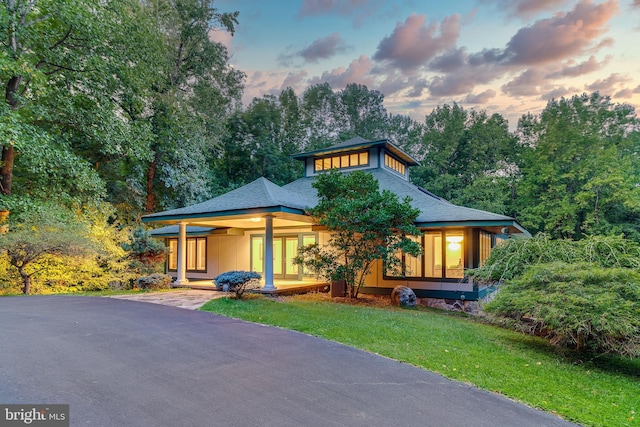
(602, 391)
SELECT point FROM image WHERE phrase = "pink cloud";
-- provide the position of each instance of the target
(358, 72)
(562, 36)
(413, 43)
(572, 69)
(607, 86)
(480, 98)
(528, 8)
(529, 83)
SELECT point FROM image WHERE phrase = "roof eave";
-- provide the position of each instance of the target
(199, 215)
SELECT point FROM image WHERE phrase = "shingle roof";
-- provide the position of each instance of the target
(433, 208)
(258, 194)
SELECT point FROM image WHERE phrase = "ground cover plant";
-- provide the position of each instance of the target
(601, 391)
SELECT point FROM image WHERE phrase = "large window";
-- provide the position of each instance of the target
(443, 257)
(342, 161)
(196, 254)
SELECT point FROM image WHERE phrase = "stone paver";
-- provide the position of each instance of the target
(191, 299)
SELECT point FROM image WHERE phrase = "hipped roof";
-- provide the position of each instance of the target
(261, 195)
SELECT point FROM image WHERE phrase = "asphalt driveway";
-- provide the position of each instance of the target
(129, 363)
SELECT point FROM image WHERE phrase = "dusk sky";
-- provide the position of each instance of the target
(504, 56)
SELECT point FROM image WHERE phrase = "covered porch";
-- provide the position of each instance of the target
(244, 229)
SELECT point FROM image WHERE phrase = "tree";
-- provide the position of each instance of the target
(196, 91)
(467, 153)
(580, 170)
(65, 68)
(29, 245)
(364, 112)
(366, 226)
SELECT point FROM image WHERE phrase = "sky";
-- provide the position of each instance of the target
(502, 56)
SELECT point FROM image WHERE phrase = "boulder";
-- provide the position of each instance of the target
(403, 296)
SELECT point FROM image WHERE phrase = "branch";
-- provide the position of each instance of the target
(66, 36)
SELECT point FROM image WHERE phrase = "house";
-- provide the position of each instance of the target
(262, 221)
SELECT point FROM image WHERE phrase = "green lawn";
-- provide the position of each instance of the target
(598, 392)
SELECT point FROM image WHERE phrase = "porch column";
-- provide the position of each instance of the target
(182, 255)
(268, 254)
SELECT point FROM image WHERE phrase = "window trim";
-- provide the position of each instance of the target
(197, 254)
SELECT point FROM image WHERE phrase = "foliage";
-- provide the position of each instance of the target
(580, 169)
(469, 158)
(154, 282)
(366, 226)
(581, 306)
(37, 244)
(238, 281)
(510, 259)
(601, 391)
(146, 252)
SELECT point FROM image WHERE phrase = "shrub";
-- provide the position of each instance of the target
(238, 281)
(581, 306)
(154, 281)
(510, 259)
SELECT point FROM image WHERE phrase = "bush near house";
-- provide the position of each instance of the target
(582, 295)
(238, 281)
(580, 306)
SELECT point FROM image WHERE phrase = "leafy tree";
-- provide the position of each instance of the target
(64, 70)
(364, 111)
(323, 117)
(29, 245)
(196, 91)
(580, 170)
(366, 226)
(467, 153)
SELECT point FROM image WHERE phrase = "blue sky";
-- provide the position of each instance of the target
(504, 56)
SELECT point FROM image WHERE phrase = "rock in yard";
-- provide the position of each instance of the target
(403, 296)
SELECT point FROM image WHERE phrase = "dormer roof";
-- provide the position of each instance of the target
(356, 144)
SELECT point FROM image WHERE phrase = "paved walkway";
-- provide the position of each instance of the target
(191, 299)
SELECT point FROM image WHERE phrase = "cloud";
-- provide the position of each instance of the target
(322, 48)
(358, 72)
(558, 92)
(528, 83)
(464, 79)
(413, 43)
(480, 98)
(571, 69)
(528, 8)
(606, 86)
(562, 36)
(451, 60)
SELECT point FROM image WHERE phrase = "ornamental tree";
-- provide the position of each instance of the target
(366, 225)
